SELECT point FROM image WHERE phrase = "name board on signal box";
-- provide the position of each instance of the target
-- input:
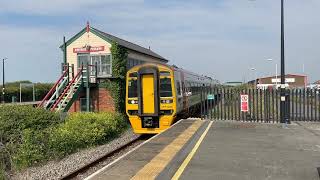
(244, 102)
(88, 49)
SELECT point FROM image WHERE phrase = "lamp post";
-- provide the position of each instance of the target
(3, 86)
(255, 75)
(283, 102)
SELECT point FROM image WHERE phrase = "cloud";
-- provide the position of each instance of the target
(223, 39)
(41, 7)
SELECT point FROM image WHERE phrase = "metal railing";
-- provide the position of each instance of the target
(261, 105)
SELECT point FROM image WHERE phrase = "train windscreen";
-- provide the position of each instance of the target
(132, 88)
(165, 87)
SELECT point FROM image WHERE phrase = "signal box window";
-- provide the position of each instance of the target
(104, 62)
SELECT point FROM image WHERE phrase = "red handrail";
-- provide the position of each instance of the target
(66, 89)
(52, 89)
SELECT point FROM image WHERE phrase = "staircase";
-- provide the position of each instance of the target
(65, 91)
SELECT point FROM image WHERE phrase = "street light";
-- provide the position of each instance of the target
(3, 86)
(255, 77)
(284, 100)
(284, 118)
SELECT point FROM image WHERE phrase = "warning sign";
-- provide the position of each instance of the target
(244, 102)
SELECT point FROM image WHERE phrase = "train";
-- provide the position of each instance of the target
(158, 94)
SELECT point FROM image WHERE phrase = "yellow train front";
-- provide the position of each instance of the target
(157, 93)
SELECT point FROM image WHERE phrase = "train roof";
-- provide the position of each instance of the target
(175, 68)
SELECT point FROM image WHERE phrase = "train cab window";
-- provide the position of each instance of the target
(165, 87)
(164, 73)
(134, 74)
(132, 88)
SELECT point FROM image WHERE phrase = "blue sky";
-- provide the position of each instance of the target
(220, 38)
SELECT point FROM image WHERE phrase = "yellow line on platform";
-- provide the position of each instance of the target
(191, 154)
(161, 160)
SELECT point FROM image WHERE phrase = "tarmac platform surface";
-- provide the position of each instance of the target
(256, 151)
(202, 149)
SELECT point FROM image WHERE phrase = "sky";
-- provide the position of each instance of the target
(223, 39)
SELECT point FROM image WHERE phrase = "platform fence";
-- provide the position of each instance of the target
(259, 105)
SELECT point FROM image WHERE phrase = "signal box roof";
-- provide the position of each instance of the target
(110, 38)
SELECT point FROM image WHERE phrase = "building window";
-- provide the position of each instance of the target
(83, 59)
(133, 62)
(103, 62)
(83, 105)
(104, 66)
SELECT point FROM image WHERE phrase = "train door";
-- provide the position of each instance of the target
(148, 95)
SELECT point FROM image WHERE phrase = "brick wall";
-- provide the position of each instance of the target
(101, 100)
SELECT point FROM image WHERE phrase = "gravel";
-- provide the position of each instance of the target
(58, 168)
(107, 161)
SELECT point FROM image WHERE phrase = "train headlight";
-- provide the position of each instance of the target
(133, 102)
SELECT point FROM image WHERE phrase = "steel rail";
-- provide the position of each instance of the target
(86, 167)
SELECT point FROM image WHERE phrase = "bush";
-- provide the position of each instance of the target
(83, 130)
(18, 126)
(14, 119)
(29, 136)
(4, 162)
(34, 148)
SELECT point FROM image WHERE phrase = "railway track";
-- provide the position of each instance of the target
(83, 171)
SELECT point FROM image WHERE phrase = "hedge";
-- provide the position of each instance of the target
(31, 136)
(82, 130)
(13, 90)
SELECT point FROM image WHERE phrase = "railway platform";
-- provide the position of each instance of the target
(203, 149)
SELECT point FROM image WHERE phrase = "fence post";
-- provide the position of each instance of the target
(201, 92)
(211, 102)
(287, 110)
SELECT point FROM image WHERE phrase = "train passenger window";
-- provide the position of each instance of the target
(165, 87)
(164, 73)
(178, 87)
(132, 88)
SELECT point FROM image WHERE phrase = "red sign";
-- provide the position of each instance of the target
(88, 49)
(244, 102)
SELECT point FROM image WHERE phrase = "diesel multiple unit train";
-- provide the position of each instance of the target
(156, 94)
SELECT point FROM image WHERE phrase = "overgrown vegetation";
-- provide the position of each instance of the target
(117, 85)
(30, 136)
(12, 90)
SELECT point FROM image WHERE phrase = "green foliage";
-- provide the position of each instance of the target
(14, 119)
(18, 125)
(119, 60)
(34, 148)
(117, 86)
(4, 162)
(29, 136)
(12, 89)
(83, 130)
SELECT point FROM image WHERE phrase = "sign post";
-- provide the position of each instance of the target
(244, 102)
